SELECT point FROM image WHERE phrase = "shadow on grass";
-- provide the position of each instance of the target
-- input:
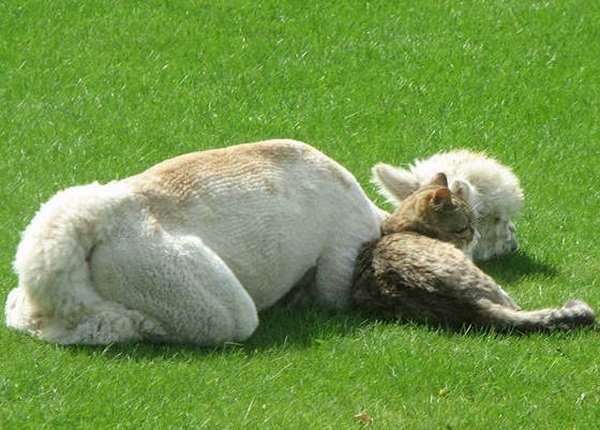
(466, 330)
(511, 267)
(280, 329)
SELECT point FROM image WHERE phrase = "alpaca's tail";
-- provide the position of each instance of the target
(55, 295)
(573, 314)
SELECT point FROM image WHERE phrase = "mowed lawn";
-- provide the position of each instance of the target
(99, 90)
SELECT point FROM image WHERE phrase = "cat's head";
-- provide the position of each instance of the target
(435, 211)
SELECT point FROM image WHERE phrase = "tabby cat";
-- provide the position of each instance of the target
(418, 271)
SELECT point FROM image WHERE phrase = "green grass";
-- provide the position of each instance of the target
(101, 90)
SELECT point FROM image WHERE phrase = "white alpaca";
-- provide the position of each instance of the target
(491, 188)
(191, 249)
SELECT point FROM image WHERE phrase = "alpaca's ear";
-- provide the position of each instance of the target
(439, 180)
(461, 188)
(394, 183)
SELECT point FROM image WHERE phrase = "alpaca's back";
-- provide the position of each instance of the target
(268, 209)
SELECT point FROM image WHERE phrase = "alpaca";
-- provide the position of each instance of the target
(191, 249)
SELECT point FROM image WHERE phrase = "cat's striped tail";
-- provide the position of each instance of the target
(573, 314)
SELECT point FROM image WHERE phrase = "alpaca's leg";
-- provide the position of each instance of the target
(334, 277)
(180, 282)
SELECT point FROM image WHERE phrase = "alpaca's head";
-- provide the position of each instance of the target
(492, 221)
(498, 236)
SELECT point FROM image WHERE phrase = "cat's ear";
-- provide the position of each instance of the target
(393, 183)
(441, 197)
(439, 180)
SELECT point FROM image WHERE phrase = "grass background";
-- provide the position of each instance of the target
(101, 90)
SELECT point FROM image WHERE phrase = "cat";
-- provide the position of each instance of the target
(492, 189)
(191, 249)
(418, 271)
